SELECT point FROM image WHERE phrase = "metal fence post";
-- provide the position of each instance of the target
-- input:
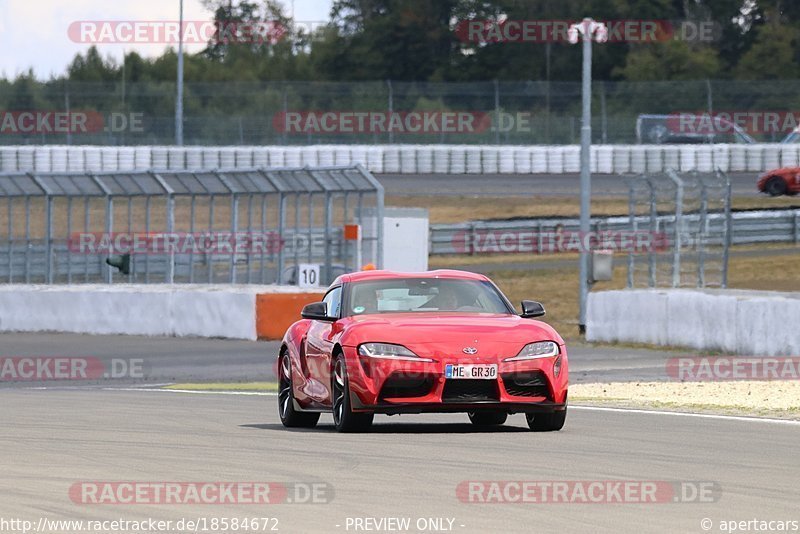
(472, 239)
(328, 216)
(48, 229)
(603, 114)
(633, 224)
(170, 224)
(651, 266)
(391, 107)
(379, 208)
(676, 253)
(699, 238)
(109, 225)
(497, 111)
(728, 230)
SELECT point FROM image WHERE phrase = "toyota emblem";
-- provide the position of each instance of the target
(470, 350)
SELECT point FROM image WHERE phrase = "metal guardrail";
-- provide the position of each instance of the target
(749, 227)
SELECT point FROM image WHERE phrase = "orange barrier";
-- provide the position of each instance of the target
(275, 312)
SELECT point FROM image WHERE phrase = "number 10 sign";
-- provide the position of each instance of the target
(308, 275)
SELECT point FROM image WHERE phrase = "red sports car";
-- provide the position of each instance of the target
(777, 182)
(440, 341)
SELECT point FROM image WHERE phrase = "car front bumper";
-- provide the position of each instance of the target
(406, 386)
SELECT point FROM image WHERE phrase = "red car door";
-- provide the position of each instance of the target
(319, 346)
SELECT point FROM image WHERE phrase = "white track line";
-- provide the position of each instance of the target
(200, 392)
(689, 414)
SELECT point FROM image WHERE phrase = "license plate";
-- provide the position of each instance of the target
(471, 371)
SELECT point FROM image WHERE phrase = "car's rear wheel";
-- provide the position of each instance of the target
(775, 186)
(344, 418)
(290, 417)
(487, 418)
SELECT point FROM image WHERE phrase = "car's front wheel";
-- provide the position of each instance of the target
(775, 186)
(290, 417)
(344, 418)
(487, 418)
(546, 422)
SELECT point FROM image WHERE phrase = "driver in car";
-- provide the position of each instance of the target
(446, 300)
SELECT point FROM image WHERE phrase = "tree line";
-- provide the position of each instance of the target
(428, 42)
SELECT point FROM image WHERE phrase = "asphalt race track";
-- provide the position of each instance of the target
(407, 467)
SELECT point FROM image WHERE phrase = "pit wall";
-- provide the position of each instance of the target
(753, 323)
(414, 159)
(235, 312)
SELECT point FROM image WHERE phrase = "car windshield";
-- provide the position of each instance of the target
(409, 295)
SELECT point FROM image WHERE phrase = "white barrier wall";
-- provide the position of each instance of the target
(753, 323)
(408, 159)
(148, 310)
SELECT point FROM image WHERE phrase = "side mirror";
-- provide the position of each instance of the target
(317, 311)
(531, 308)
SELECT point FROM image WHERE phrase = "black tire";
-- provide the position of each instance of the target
(344, 418)
(290, 417)
(775, 187)
(487, 418)
(546, 422)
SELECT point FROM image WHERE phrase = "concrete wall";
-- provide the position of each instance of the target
(153, 310)
(761, 323)
(415, 159)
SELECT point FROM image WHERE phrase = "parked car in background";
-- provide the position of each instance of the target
(688, 129)
(777, 182)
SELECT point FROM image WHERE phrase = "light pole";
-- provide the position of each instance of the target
(586, 30)
(179, 96)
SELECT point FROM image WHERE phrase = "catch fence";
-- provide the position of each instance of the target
(217, 226)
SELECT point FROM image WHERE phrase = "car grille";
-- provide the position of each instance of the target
(526, 384)
(459, 390)
(404, 386)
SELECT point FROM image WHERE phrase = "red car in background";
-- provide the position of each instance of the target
(384, 342)
(777, 182)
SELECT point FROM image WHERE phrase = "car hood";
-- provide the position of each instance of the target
(448, 334)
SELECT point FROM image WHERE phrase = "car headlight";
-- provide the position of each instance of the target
(534, 351)
(389, 351)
